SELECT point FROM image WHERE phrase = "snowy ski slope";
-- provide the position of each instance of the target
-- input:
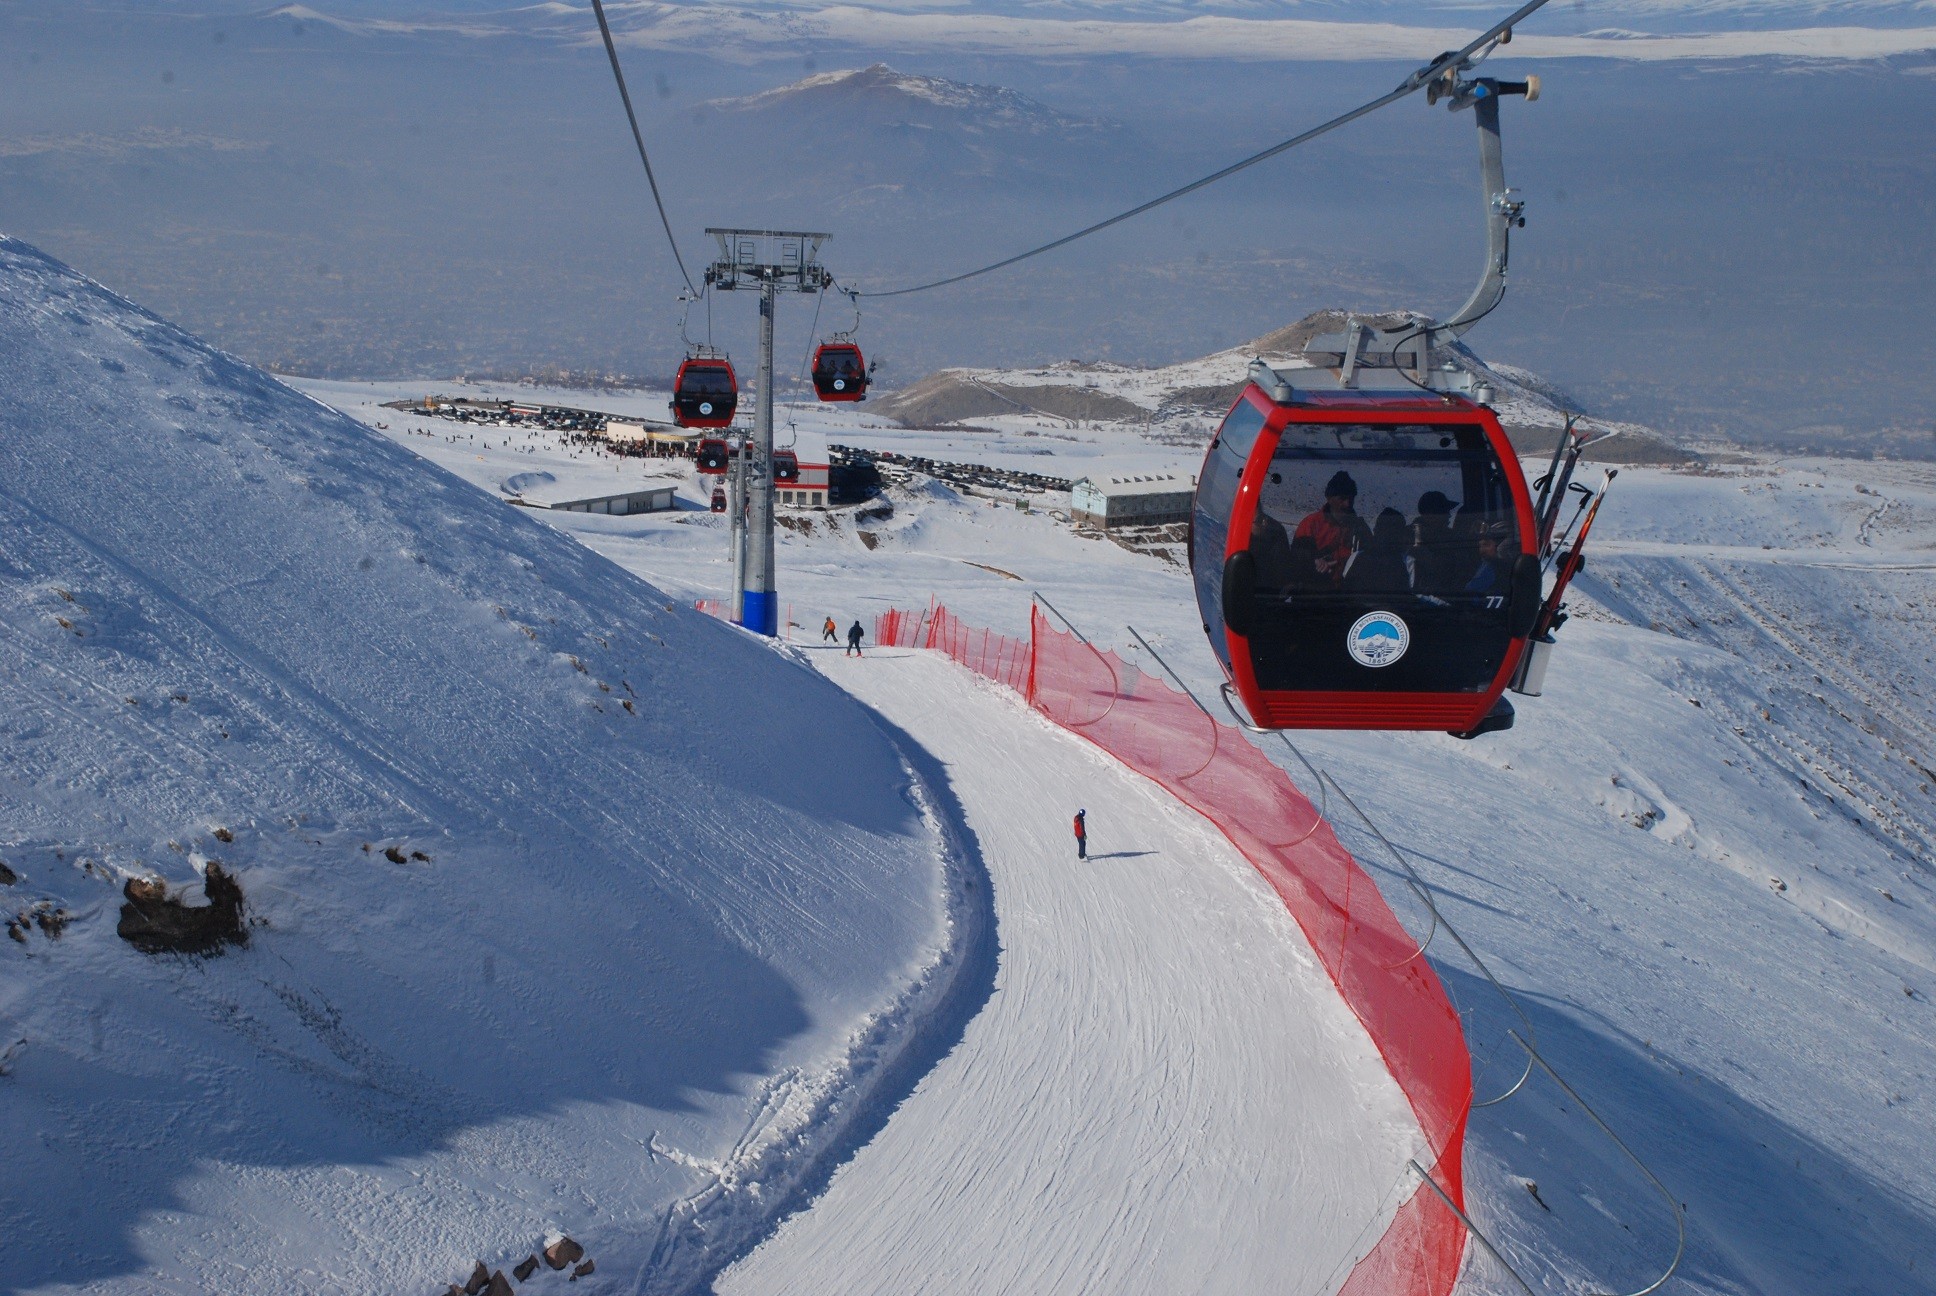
(1165, 1093)
(539, 941)
(1703, 862)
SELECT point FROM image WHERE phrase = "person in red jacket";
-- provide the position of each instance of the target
(1336, 530)
(1082, 835)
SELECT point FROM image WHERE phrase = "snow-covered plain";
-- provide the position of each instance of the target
(1703, 861)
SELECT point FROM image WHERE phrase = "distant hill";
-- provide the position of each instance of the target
(1198, 392)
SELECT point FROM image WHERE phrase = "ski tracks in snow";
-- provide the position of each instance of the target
(1163, 1093)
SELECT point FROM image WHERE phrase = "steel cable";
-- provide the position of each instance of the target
(611, 51)
(1410, 85)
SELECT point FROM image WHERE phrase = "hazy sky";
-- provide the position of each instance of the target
(1717, 240)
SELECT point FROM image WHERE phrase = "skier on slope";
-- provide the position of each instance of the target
(854, 633)
(829, 633)
(1082, 834)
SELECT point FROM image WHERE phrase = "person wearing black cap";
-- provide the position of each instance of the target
(1441, 560)
(1082, 834)
(1336, 532)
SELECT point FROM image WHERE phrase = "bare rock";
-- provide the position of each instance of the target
(499, 1285)
(526, 1267)
(7, 876)
(563, 1252)
(479, 1280)
(394, 855)
(582, 1270)
(156, 923)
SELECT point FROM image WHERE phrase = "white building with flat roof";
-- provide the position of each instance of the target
(1143, 499)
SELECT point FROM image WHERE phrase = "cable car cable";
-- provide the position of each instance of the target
(806, 362)
(611, 50)
(1411, 85)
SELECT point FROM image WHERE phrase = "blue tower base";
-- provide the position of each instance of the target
(760, 611)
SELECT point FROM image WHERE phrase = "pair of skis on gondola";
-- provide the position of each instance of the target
(1553, 490)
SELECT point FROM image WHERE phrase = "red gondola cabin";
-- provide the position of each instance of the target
(1360, 559)
(839, 372)
(786, 466)
(705, 393)
(719, 499)
(712, 455)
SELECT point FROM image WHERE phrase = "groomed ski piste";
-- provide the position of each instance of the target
(836, 1009)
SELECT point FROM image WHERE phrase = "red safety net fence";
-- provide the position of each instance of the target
(1378, 967)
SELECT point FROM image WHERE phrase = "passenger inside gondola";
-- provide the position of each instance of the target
(1335, 531)
(706, 380)
(1411, 524)
(1441, 561)
(1493, 571)
(1271, 553)
(1383, 566)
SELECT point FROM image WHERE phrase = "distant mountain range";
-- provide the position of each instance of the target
(863, 134)
(1237, 30)
(879, 96)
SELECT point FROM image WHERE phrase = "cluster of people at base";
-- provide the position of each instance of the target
(1333, 548)
(829, 633)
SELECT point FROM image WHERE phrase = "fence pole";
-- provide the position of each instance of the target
(1471, 1228)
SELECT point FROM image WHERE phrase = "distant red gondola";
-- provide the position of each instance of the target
(786, 466)
(839, 372)
(705, 393)
(712, 455)
(719, 499)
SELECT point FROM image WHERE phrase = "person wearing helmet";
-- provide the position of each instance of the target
(1495, 560)
(1336, 533)
(1082, 834)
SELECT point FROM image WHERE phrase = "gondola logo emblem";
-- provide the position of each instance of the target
(1378, 639)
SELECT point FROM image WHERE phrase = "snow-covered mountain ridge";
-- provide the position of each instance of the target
(538, 940)
(879, 92)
